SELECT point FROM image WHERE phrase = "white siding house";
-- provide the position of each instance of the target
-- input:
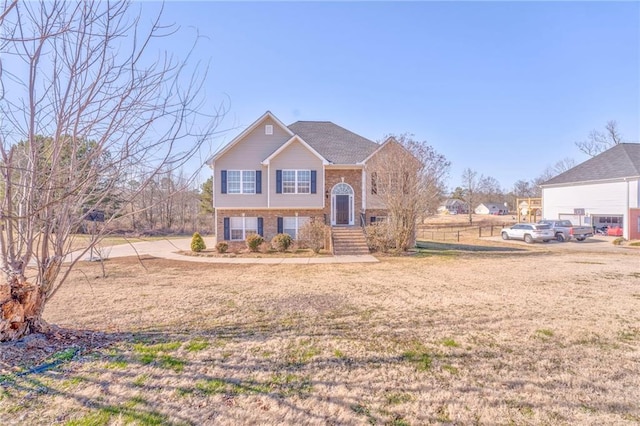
(490, 208)
(602, 191)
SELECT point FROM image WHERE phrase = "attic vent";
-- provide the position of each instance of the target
(268, 129)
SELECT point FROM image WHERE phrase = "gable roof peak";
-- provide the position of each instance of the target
(246, 131)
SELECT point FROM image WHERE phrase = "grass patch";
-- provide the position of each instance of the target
(450, 343)
(172, 363)
(127, 413)
(197, 345)
(450, 368)
(140, 380)
(300, 353)
(363, 410)
(398, 421)
(419, 357)
(283, 384)
(150, 353)
(118, 364)
(396, 398)
(629, 335)
(442, 414)
(96, 418)
(544, 333)
(63, 356)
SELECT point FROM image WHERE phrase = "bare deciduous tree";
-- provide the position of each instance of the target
(471, 183)
(83, 99)
(407, 179)
(598, 141)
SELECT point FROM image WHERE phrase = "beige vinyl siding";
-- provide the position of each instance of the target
(248, 154)
(296, 157)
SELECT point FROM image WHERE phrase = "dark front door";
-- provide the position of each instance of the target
(342, 209)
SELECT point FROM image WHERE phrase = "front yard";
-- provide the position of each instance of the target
(524, 337)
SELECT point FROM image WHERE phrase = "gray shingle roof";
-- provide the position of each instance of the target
(620, 161)
(336, 144)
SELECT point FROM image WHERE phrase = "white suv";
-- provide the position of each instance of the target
(529, 232)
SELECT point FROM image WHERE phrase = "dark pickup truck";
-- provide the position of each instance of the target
(564, 230)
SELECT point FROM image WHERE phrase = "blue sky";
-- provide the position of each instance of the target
(504, 88)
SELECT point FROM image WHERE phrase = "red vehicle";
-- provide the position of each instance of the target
(614, 232)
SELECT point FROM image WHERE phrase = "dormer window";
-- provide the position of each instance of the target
(268, 129)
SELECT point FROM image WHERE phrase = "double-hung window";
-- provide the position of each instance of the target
(248, 181)
(241, 181)
(292, 225)
(296, 181)
(289, 182)
(304, 181)
(234, 182)
(241, 227)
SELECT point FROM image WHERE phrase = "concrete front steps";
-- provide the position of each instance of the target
(349, 240)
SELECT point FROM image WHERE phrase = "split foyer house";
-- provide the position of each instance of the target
(602, 191)
(273, 178)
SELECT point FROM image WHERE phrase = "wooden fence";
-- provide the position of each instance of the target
(457, 233)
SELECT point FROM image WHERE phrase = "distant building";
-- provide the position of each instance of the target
(602, 191)
(491, 208)
(453, 206)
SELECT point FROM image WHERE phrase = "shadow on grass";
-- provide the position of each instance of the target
(439, 246)
(169, 376)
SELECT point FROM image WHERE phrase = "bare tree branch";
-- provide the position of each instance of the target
(598, 142)
(90, 105)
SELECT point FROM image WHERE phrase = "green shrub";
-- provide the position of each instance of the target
(253, 242)
(312, 235)
(222, 247)
(618, 241)
(197, 243)
(281, 242)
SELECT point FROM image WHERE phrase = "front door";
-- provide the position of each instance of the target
(342, 209)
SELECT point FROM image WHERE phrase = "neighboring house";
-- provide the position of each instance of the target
(602, 191)
(453, 206)
(273, 178)
(491, 208)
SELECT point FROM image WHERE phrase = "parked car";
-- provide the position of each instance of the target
(529, 232)
(564, 230)
(614, 231)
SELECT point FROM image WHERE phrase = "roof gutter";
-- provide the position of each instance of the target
(589, 182)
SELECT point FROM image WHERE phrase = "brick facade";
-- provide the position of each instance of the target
(269, 217)
(352, 177)
(375, 213)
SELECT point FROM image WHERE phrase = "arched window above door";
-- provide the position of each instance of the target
(342, 189)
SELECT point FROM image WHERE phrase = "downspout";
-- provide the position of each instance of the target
(269, 185)
(626, 223)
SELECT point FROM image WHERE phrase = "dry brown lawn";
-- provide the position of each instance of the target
(464, 338)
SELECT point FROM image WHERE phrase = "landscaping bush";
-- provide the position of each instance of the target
(253, 242)
(312, 235)
(281, 242)
(379, 237)
(618, 241)
(197, 243)
(222, 247)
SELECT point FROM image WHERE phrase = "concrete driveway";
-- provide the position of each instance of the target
(169, 248)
